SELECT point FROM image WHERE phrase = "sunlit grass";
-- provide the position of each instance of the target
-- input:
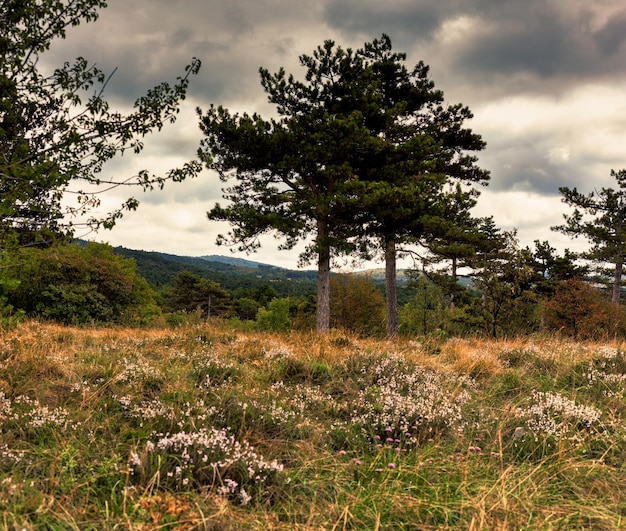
(213, 428)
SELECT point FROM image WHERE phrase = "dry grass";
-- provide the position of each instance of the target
(365, 434)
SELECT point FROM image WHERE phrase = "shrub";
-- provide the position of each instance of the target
(77, 285)
(357, 305)
(275, 318)
(578, 309)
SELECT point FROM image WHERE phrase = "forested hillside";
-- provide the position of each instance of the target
(160, 268)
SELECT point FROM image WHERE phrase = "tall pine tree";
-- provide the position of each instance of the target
(411, 191)
(291, 173)
(363, 157)
(606, 229)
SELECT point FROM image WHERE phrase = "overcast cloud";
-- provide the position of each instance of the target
(545, 79)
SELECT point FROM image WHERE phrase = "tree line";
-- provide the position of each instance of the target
(364, 159)
(518, 291)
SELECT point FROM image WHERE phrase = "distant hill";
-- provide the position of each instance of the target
(232, 260)
(231, 273)
(378, 276)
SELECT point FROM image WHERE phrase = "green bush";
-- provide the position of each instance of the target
(75, 284)
(275, 318)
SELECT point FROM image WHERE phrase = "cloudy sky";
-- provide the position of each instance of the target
(545, 79)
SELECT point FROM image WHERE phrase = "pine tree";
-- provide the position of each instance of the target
(291, 174)
(411, 191)
(606, 229)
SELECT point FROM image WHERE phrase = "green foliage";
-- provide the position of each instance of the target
(74, 284)
(176, 319)
(424, 313)
(57, 130)
(357, 305)
(246, 309)
(191, 292)
(9, 316)
(504, 275)
(408, 189)
(262, 283)
(276, 317)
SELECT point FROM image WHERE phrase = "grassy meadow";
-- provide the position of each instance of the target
(205, 427)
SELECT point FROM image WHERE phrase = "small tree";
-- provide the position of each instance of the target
(245, 308)
(192, 292)
(274, 318)
(357, 305)
(425, 312)
(580, 310)
(504, 276)
(606, 230)
(455, 237)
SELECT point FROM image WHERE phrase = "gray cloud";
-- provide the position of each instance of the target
(371, 18)
(533, 164)
(545, 79)
(545, 45)
(611, 37)
(539, 46)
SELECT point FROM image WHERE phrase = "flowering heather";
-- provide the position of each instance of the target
(210, 427)
(553, 415)
(138, 370)
(147, 409)
(607, 372)
(208, 458)
(403, 400)
(28, 412)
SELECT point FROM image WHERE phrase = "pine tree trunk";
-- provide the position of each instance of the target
(617, 281)
(393, 328)
(323, 281)
(454, 286)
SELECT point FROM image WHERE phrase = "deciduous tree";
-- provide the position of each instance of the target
(57, 130)
(357, 304)
(75, 285)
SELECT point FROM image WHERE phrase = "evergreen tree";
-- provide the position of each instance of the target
(455, 237)
(409, 187)
(606, 230)
(362, 156)
(291, 173)
(192, 292)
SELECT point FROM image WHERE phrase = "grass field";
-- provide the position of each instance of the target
(210, 428)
